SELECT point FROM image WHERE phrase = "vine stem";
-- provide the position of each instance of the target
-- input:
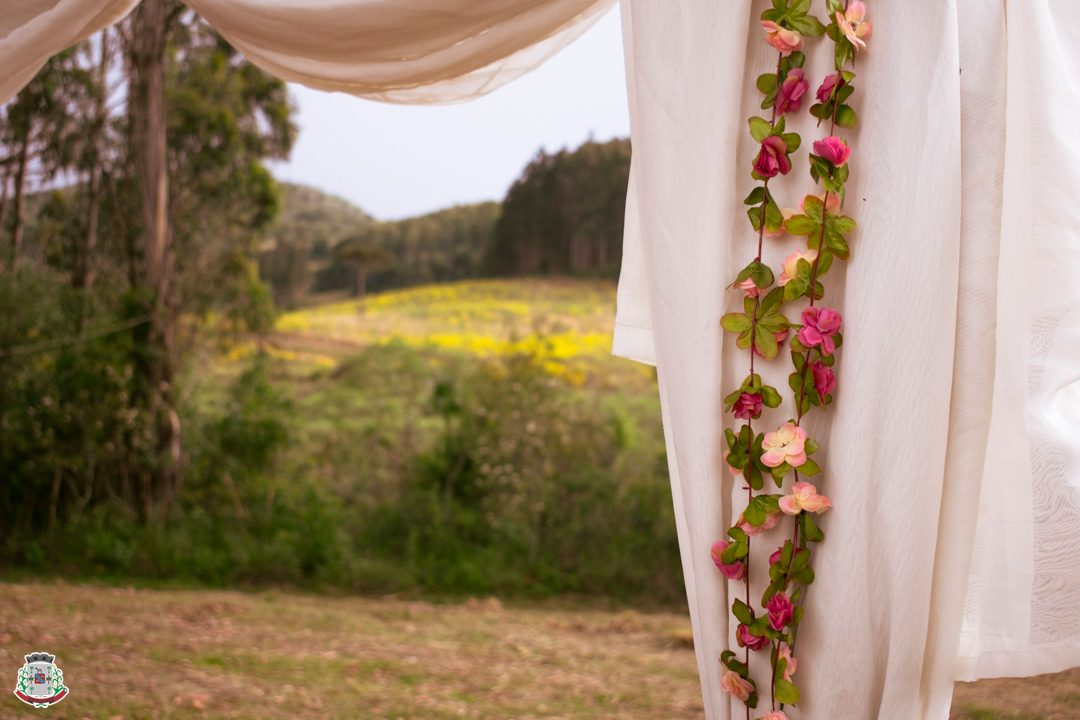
(753, 348)
(813, 282)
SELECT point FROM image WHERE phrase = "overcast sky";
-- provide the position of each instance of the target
(395, 161)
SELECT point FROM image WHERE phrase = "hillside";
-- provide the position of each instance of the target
(300, 240)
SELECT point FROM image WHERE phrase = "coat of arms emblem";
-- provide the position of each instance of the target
(41, 682)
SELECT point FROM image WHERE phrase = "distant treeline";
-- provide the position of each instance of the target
(564, 215)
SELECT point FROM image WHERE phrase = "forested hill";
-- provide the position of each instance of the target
(563, 215)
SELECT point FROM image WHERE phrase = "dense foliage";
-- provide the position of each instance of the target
(565, 213)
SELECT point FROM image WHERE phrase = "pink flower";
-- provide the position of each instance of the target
(771, 521)
(732, 571)
(824, 92)
(747, 639)
(784, 40)
(774, 715)
(792, 664)
(833, 149)
(749, 288)
(831, 200)
(824, 379)
(820, 326)
(786, 444)
(772, 158)
(775, 557)
(789, 99)
(734, 684)
(781, 611)
(790, 269)
(804, 496)
(853, 24)
(748, 406)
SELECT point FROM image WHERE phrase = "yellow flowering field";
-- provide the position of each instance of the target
(565, 324)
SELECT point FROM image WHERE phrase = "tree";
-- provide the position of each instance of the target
(565, 213)
(364, 257)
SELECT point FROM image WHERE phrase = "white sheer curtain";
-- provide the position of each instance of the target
(956, 421)
(953, 451)
(407, 51)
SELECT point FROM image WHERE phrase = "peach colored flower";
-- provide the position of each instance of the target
(804, 496)
(792, 664)
(749, 288)
(786, 444)
(774, 715)
(790, 269)
(771, 521)
(784, 40)
(734, 684)
(853, 24)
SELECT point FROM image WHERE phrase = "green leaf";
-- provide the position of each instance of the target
(766, 83)
(760, 128)
(765, 342)
(809, 467)
(786, 692)
(836, 243)
(795, 288)
(754, 213)
(799, 7)
(773, 217)
(770, 397)
(757, 271)
(771, 301)
(735, 322)
(844, 51)
(812, 206)
(841, 224)
(742, 612)
(801, 225)
(792, 140)
(845, 116)
(756, 196)
(810, 530)
(809, 26)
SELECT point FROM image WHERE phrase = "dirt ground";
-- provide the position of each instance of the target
(133, 654)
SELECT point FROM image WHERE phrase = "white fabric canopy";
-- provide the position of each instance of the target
(406, 51)
(952, 453)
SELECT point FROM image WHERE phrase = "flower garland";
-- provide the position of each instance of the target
(762, 327)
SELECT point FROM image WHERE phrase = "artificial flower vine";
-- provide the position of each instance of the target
(761, 328)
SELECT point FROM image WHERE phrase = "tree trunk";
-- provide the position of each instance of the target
(83, 275)
(147, 108)
(4, 185)
(20, 197)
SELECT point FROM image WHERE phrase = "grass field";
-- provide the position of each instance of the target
(149, 654)
(565, 321)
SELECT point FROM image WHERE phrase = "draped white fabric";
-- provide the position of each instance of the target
(952, 453)
(406, 51)
(956, 419)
